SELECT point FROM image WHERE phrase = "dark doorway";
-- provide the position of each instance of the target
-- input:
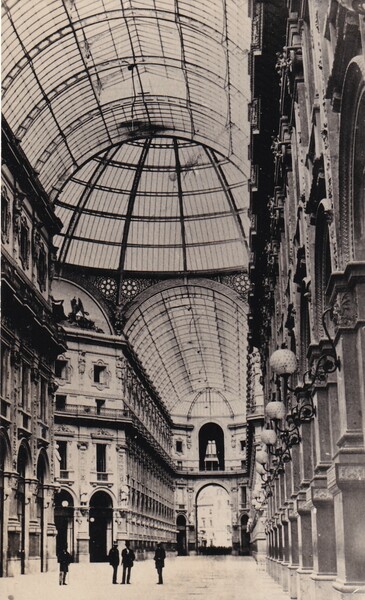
(211, 448)
(3, 455)
(100, 526)
(20, 495)
(181, 535)
(64, 521)
(245, 537)
(41, 475)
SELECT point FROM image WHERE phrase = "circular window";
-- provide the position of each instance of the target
(241, 283)
(108, 287)
(129, 288)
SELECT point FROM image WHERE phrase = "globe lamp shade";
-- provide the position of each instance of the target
(269, 437)
(283, 362)
(262, 457)
(275, 410)
(260, 469)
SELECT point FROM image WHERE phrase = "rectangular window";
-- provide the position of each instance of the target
(5, 371)
(243, 464)
(61, 368)
(43, 400)
(179, 464)
(24, 245)
(61, 401)
(179, 446)
(100, 458)
(99, 373)
(243, 496)
(62, 450)
(25, 386)
(243, 445)
(99, 406)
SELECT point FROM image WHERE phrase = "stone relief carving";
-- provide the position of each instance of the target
(345, 310)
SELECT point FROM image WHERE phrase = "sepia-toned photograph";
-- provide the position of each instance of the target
(182, 300)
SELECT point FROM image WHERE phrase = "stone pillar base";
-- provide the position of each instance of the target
(293, 581)
(82, 550)
(284, 576)
(305, 584)
(322, 586)
(345, 591)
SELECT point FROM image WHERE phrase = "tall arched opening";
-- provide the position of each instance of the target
(181, 535)
(100, 526)
(39, 544)
(214, 520)
(4, 456)
(17, 543)
(211, 448)
(64, 521)
(245, 536)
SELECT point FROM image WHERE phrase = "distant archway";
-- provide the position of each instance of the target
(245, 536)
(181, 535)
(214, 520)
(64, 521)
(211, 448)
(100, 526)
(4, 458)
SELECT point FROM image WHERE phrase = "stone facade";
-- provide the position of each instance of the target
(312, 232)
(30, 344)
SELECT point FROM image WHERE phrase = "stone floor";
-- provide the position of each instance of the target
(208, 578)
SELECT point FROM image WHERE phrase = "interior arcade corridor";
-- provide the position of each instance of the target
(183, 295)
(218, 577)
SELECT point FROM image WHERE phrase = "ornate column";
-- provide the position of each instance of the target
(347, 483)
(294, 551)
(324, 541)
(81, 521)
(305, 543)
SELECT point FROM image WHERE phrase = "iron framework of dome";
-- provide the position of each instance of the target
(160, 87)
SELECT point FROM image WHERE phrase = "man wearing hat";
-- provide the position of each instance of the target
(114, 560)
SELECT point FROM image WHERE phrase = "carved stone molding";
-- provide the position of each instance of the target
(351, 473)
(345, 312)
(321, 495)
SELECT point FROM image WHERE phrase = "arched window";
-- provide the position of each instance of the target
(323, 267)
(352, 164)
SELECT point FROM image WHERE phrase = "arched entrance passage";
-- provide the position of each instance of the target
(4, 457)
(41, 477)
(17, 545)
(64, 521)
(100, 526)
(211, 448)
(181, 535)
(245, 536)
(214, 520)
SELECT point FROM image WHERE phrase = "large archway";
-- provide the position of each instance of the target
(64, 521)
(22, 465)
(214, 520)
(42, 469)
(100, 526)
(211, 448)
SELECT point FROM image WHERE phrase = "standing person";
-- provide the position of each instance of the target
(128, 557)
(64, 558)
(159, 559)
(114, 560)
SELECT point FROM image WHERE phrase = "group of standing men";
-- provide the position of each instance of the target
(128, 558)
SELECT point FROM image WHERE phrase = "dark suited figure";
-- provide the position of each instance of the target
(159, 559)
(64, 558)
(114, 560)
(128, 557)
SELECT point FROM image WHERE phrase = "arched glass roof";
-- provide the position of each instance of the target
(134, 115)
(161, 204)
(190, 338)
